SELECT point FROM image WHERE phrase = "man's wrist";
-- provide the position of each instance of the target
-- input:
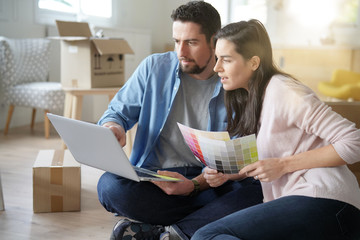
(196, 188)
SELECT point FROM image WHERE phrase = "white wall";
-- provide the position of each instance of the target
(288, 28)
(149, 14)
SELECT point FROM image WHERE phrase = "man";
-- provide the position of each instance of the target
(167, 88)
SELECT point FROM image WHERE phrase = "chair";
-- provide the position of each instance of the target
(24, 68)
(343, 85)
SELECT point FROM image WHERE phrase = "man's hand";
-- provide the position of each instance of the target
(215, 178)
(175, 188)
(118, 131)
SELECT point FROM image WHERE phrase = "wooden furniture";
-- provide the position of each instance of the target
(24, 78)
(312, 65)
(351, 111)
(74, 99)
(73, 107)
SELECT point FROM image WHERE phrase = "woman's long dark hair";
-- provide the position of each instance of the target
(244, 107)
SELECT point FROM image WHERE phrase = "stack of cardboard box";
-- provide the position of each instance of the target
(90, 62)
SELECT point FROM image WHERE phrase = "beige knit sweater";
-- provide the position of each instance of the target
(294, 120)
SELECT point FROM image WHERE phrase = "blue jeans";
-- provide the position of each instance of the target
(290, 218)
(146, 202)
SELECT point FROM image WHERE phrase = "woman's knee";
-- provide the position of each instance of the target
(200, 234)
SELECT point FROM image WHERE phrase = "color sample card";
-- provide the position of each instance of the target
(217, 151)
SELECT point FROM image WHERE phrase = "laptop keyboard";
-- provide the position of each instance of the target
(148, 174)
(141, 172)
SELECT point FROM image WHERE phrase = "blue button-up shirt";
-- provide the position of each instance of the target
(146, 99)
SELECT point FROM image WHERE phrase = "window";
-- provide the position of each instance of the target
(99, 12)
(340, 13)
(349, 13)
(237, 10)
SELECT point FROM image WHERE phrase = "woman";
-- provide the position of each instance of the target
(303, 147)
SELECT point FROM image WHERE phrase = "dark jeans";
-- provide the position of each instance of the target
(146, 202)
(290, 218)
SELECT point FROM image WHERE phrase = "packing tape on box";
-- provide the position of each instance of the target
(57, 203)
(56, 173)
(58, 158)
(56, 178)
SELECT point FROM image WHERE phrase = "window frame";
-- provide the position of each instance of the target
(48, 17)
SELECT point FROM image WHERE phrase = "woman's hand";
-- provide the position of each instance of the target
(266, 170)
(270, 169)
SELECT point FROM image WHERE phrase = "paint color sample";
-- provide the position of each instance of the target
(217, 151)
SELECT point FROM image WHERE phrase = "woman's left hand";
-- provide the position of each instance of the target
(265, 170)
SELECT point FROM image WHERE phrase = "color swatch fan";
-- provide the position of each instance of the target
(216, 150)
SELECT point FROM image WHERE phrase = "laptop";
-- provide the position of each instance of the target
(97, 146)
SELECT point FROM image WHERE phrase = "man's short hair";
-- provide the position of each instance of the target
(201, 13)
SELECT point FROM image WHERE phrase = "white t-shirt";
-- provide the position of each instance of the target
(191, 108)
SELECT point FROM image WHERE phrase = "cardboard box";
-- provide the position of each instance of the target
(88, 62)
(355, 168)
(56, 182)
(351, 111)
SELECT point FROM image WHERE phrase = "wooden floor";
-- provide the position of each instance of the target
(18, 152)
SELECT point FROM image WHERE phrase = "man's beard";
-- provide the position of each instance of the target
(196, 69)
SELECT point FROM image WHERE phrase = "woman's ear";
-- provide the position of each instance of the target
(255, 62)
